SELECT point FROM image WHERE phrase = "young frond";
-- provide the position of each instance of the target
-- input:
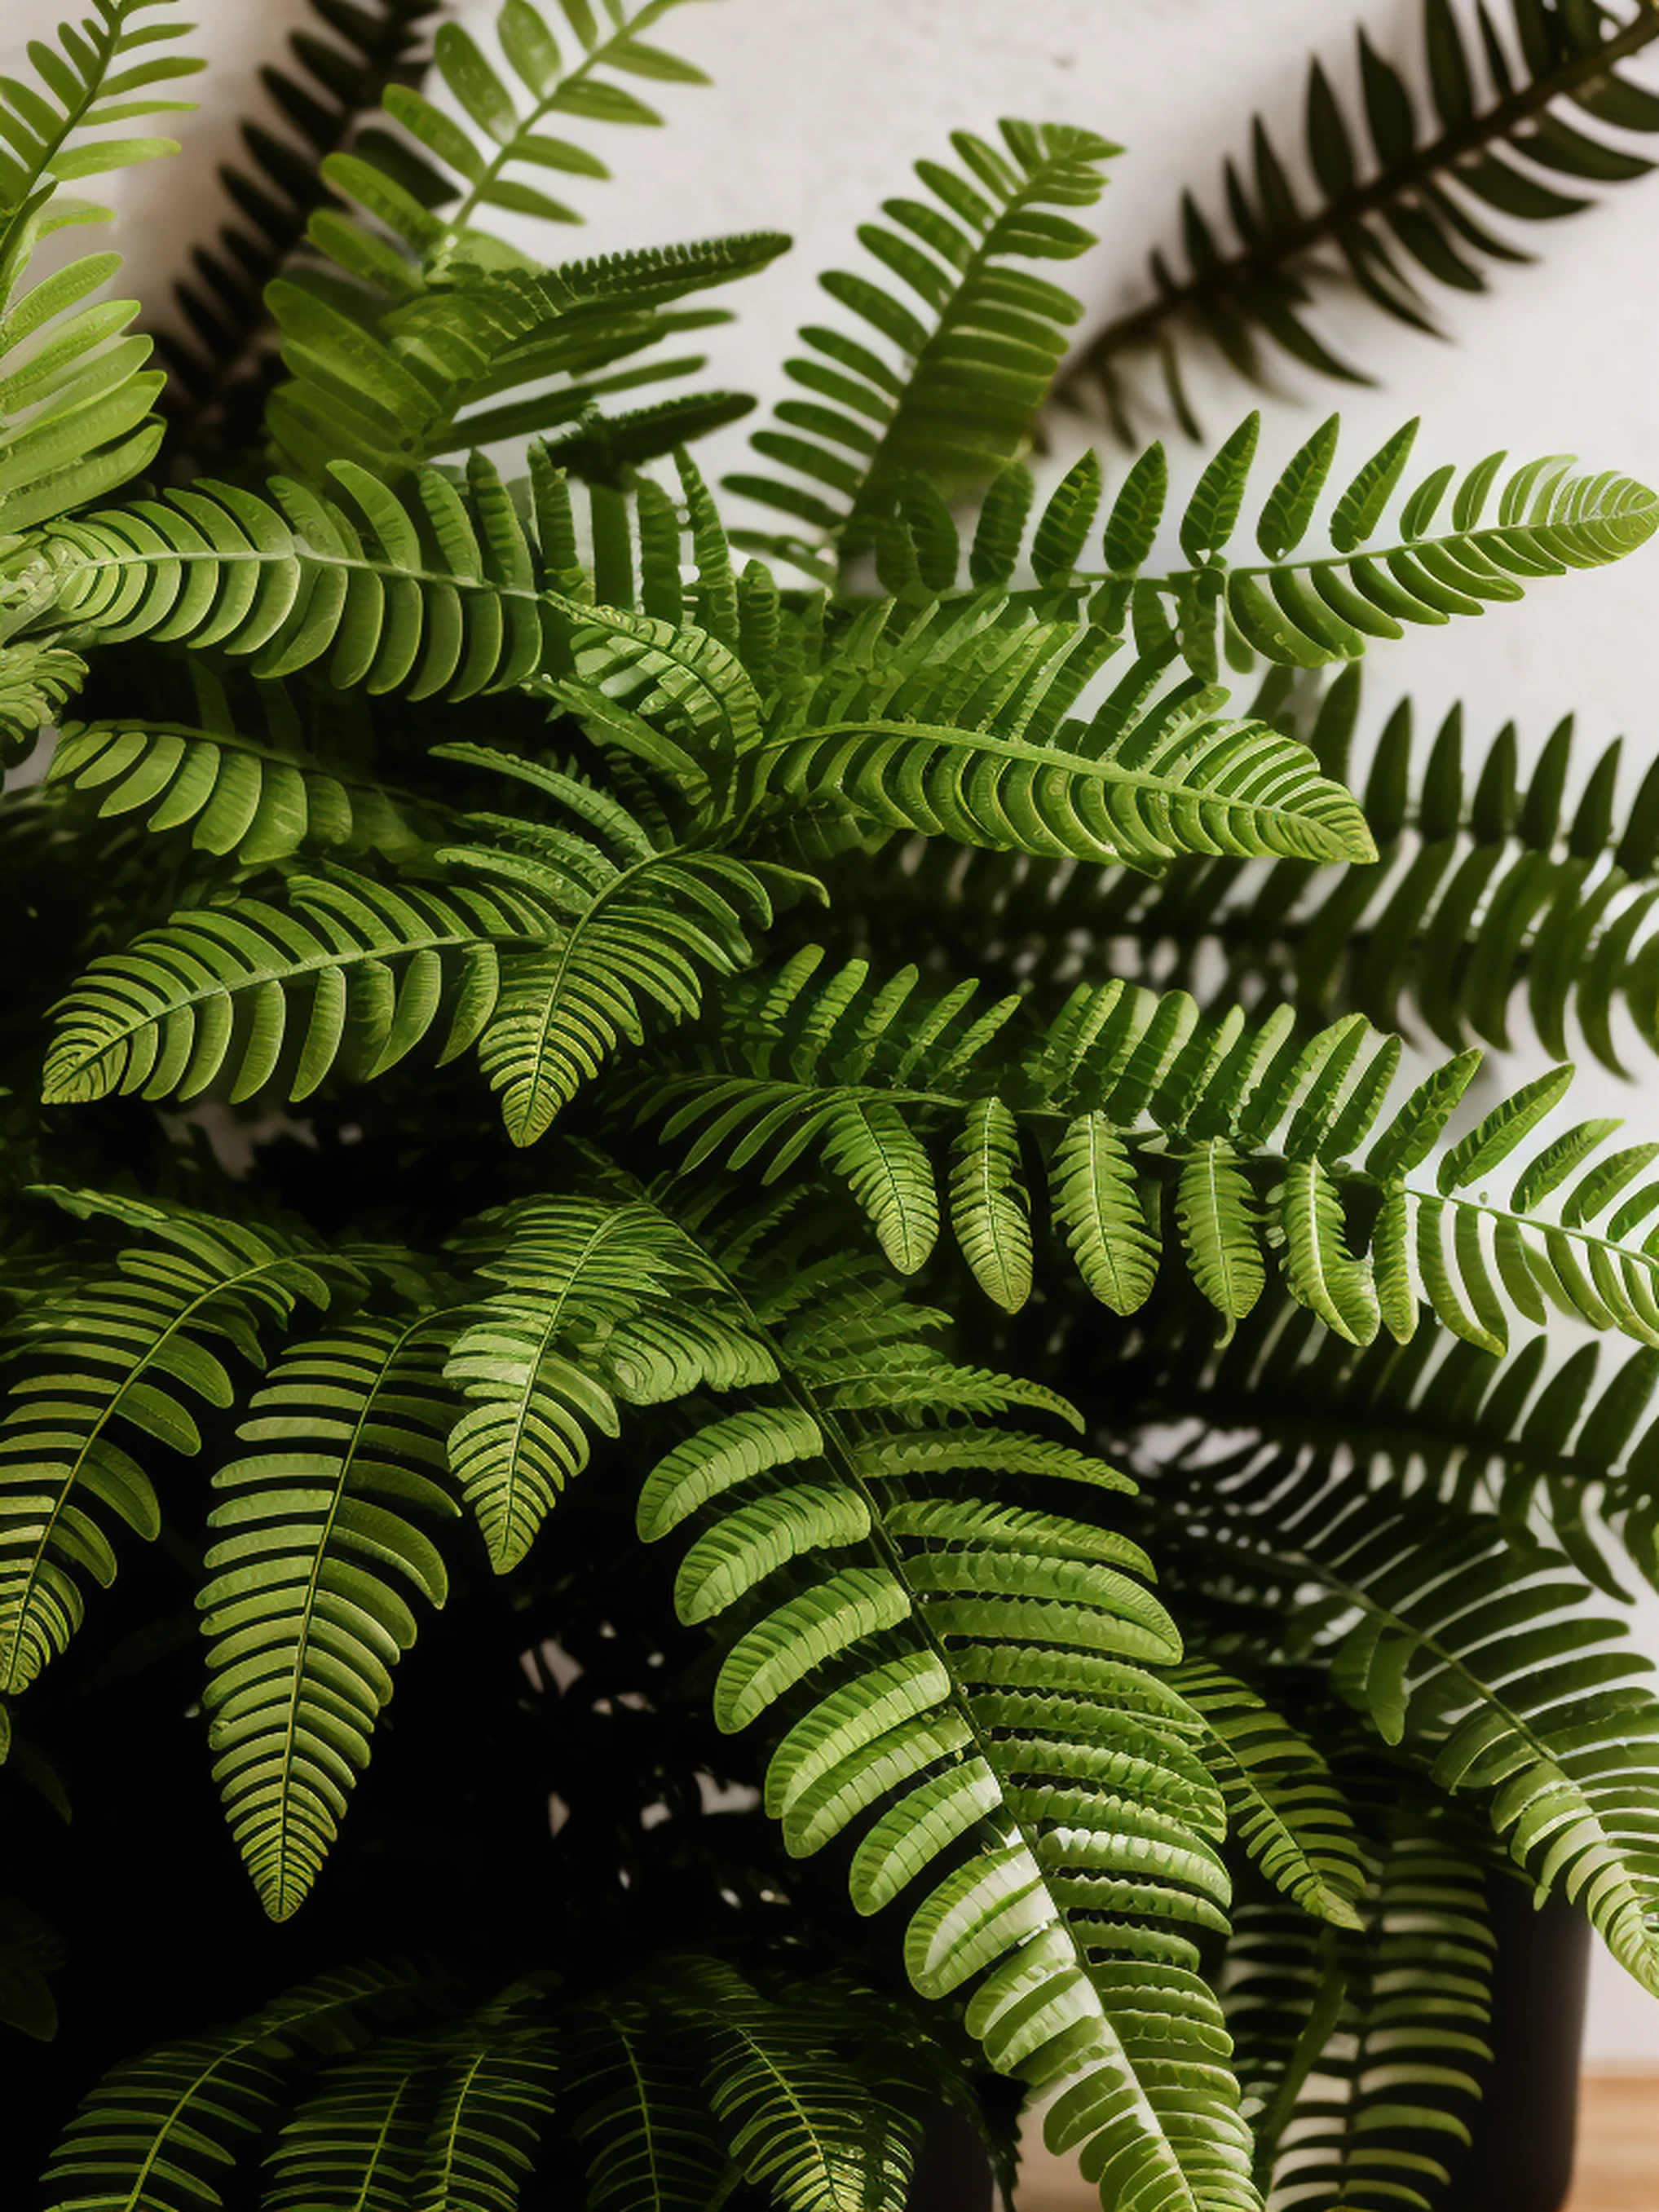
(103, 1363)
(317, 1550)
(1512, 130)
(975, 353)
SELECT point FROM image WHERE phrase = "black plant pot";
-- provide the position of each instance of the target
(1520, 2157)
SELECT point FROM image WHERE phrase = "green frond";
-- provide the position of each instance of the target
(1362, 2052)
(498, 2084)
(1488, 888)
(641, 2117)
(104, 1363)
(630, 925)
(318, 1552)
(260, 801)
(964, 1677)
(600, 1301)
(798, 2123)
(1512, 128)
(975, 353)
(1282, 1801)
(160, 2131)
(964, 732)
(389, 384)
(345, 971)
(75, 396)
(37, 681)
(432, 593)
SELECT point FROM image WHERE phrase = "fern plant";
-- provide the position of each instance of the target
(1009, 1522)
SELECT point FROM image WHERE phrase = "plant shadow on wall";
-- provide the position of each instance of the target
(1074, 1557)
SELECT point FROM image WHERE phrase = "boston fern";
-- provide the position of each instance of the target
(785, 1109)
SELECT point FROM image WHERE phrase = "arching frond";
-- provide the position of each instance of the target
(941, 1669)
(1512, 129)
(647, 2136)
(108, 1360)
(159, 2132)
(599, 1301)
(218, 995)
(317, 1550)
(978, 347)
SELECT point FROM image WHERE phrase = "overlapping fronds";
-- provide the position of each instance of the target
(112, 1359)
(498, 357)
(1483, 1662)
(431, 593)
(75, 395)
(970, 352)
(957, 1680)
(1511, 133)
(163, 2130)
(318, 1549)
(601, 1300)
(633, 922)
(375, 2088)
(1282, 1802)
(345, 971)
(1490, 886)
(339, 70)
(1127, 1092)
(1362, 2052)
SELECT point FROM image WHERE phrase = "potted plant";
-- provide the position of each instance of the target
(1006, 1525)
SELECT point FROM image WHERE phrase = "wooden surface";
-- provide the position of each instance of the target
(1617, 2145)
(1618, 2155)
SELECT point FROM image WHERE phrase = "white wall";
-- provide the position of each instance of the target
(817, 110)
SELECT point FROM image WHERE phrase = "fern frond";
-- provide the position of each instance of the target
(104, 1363)
(1282, 1802)
(599, 1302)
(632, 924)
(1508, 132)
(158, 2133)
(943, 1672)
(975, 362)
(497, 2086)
(218, 995)
(317, 1552)
(338, 72)
(646, 2135)
(75, 396)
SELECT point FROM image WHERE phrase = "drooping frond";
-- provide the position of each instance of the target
(974, 352)
(318, 1550)
(160, 2132)
(1362, 2053)
(1481, 1662)
(599, 1301)
(1282, 1802)
(345, 971)
(1511, 130)
(100, 1364)
(75, 395)
(956, 1678)
(646, 2135)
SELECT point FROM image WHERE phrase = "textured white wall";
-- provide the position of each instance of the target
(816, 113)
